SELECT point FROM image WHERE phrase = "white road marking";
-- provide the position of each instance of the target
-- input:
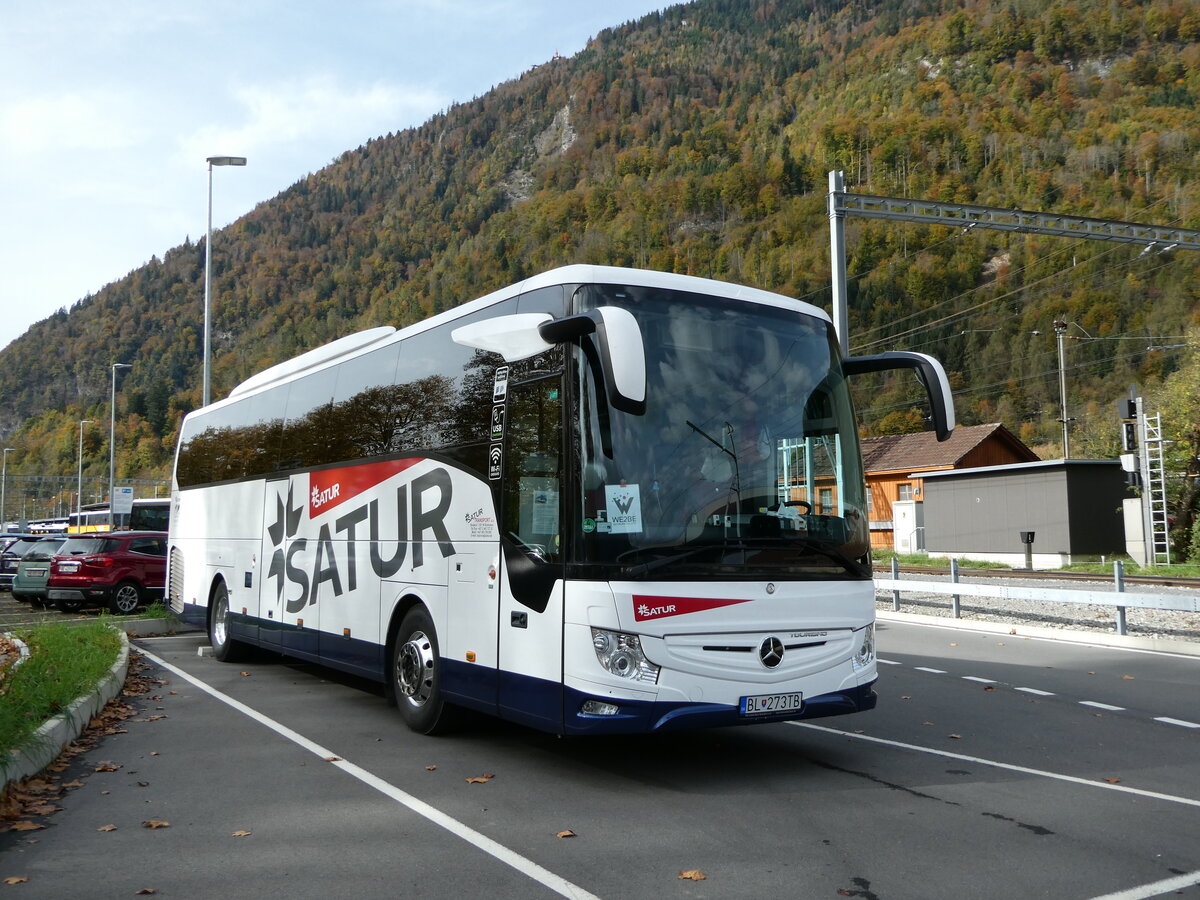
(888, 662)
(1025, 770)
(1101, 706)
(1168, 721)
(1145, 891)
(927, 669)
(509, 857)
(976, 678)
(1036, 691)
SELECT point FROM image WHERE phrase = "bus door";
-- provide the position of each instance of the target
(531, 598)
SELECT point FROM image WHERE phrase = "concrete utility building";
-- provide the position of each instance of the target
(1073, 507)
(895, 463)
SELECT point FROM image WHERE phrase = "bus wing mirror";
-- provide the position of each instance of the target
(930, 373)
(514, 337)
(622, 352)
(624, 356)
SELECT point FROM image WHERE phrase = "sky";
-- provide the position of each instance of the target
(110, 108)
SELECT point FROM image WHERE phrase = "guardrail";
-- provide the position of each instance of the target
(1118, 597)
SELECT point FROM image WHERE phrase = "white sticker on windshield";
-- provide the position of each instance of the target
(624, 507)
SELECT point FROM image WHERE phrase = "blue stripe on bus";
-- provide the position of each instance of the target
(535, 702)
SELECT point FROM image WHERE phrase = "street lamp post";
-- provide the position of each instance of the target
(4, 492)
(1060, 330)
(212, 161)
(112, 442)
(79, 493)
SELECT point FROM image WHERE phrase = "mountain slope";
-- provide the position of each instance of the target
(697, 140)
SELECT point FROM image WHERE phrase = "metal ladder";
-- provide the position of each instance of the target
(1156, 492)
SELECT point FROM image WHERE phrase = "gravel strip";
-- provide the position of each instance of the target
(1161, 623)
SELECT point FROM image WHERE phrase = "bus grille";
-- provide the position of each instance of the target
(175, 586)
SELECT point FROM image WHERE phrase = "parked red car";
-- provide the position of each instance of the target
(119, 570)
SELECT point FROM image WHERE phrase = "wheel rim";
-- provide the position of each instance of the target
(414, 669)
(218, 623)
(126, 598)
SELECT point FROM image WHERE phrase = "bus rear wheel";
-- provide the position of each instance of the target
(416, 674)
(225, 648)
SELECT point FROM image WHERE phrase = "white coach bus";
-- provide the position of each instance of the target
(602, 500)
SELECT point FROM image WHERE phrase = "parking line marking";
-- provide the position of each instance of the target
(995, 764)
(1107, 706)
(1169, 721)
(1036, 691)
(932, 671)
(496, 850)
(980, 680)
(1146, 891)
(888, 662)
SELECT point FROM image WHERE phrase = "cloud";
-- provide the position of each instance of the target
(72, 121)
(317, 109)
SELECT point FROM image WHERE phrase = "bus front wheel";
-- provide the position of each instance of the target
(225, 648)
(416, 674)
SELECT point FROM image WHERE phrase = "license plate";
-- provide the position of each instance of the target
(35, 573)
(68, 567)
(771, 704)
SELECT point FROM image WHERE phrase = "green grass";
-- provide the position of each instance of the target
(883, 558)
(65, 661)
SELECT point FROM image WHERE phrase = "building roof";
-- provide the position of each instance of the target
(911, 452)
(1018, 467)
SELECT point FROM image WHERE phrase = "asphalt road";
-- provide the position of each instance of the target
(994, 767)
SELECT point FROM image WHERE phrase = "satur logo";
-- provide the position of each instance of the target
(335, 562)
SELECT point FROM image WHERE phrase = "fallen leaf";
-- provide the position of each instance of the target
(926, 723)
(999, 643)
(147, 891)
(16, 879)
(73, 784)
(1113, 780)
(957, 737)
(244, 674)
(241, 834)
(107, 767)
(566, 834)
(954, 643)
(1012, 631)
(107, 828)
(431, 768)
(692, 875)
(1127, 677)
(143, 784)
(25, 826)
(906, 698)
(482, 779)
(989, 687)
(44, 809)
(155, 823)
(842, 892)
(333, 759)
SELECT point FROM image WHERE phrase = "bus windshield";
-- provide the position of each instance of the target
(745, 464)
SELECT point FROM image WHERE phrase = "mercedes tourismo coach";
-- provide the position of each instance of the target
(601, 500)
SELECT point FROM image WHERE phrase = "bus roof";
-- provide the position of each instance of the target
(326, 354)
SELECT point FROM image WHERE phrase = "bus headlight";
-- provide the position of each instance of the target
(621, 654)
(864, 653)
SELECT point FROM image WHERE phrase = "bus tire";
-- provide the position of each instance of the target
(416, 674)
(125, 598)
(225, 648)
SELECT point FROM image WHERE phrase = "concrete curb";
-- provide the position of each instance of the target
(48, 741)
(1092, 638)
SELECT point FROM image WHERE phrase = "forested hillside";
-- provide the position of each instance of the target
(698, 140)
